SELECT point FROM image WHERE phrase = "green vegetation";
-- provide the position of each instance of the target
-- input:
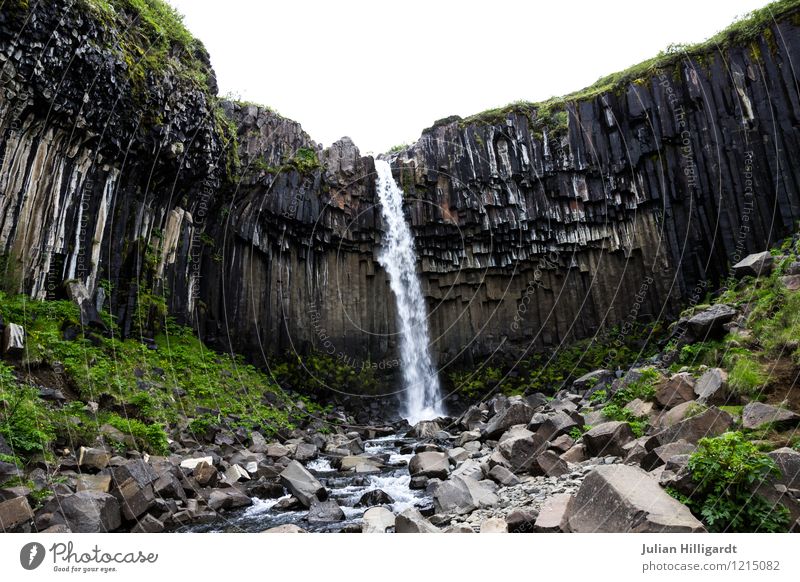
(747, 377)
(398, 148)
(145, 393)
(726, 470)
(305, 160)
(748, 30)
(318, 373)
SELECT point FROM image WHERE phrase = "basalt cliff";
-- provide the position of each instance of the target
(534, 224)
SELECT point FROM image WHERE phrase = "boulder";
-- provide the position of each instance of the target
(473, 418)
(459, 528)
(639, 408)
(285, 528)
(148, 524)
(324, 511)
(258, 443)
(206, 475)
(412, 521)
(503, 476)
(562, 444)
(757, 414)
(457, 454)
(305, 452)
(90, 512)
(14, 512)
(788, 462)
(709, 423)
(469, 468)
(461, 495)
(536, 400)
(608, 439)
(712, 387)
(86, 482)
(514, 432)
(550, 464)
(236, 473)
(521, 451)
(678, 413)
(134, 499)
(229, 498)
(468, 437)
(754, 265)
(622, 498)
(516, 413)
(350, 462)
(576, 454)
(554, 515)
(790, 282)
(677, 390)
(377, 520)
(193, 462)
(13, 340)
(302, 484)
(96, 459)
(375, 497)
(276, 451)
(78, 294)
(522, 520)
(709, 322)
(137, 469)
(425, 429)
(556, 425)
(429, 464)
(494, 525)
(595, 380)
(660, 455)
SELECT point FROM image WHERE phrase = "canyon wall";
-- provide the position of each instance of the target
(533, 225)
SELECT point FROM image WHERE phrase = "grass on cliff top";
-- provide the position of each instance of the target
(748, 29)
(145, 393)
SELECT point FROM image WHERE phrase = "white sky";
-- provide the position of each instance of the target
(382, 71)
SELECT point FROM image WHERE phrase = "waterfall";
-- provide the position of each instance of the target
(421, 384)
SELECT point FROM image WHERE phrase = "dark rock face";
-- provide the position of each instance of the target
(528, 233)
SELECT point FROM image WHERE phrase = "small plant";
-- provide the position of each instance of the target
(578, 431)
(747, 376)
(727, 469)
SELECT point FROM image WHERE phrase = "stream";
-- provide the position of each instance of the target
(346, 488)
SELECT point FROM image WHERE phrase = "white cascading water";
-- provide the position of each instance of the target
(422, 395)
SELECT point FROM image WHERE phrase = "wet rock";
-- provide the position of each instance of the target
(554, 515)
(709, 323)
(712, 387)
(375, 497)
(377, 520)
(429, 465)
(608, 439)
(757, 414)
(622, 498)
(677, 390)
(350, 462)
(290, 503)
(494, 525)
(324, 511)
(755, 265)
(285, 528)
(90, 512)
(229, 498)
(264, 489)
(14, 512)
(425, 429)
(412, 521)
(302, 484)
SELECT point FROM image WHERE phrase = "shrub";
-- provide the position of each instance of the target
(23, 417)
(727, 469)
(150, 437)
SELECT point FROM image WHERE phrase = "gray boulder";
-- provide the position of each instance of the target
(425, 429)
(14, 512)
(788, 461)
(90, 512)
(412, 521)
(556, 425)
(494, 525)
(550, 464)
(302, 484)
(324, 511)
(503, 476)
(608, 439)
(377, 520)
(757, 264)
(709, 322)
(429, 464)
(554, 515)
(677, 390)
(622, 498)
(660, 455)
(229, 498)
(757, 414)
(709, 423)
(518, 412)
(461, 495)
(521, 451)
(712, 387)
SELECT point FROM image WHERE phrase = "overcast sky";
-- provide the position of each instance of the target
(382, 71)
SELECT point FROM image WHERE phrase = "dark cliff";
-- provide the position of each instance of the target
(533, 224)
